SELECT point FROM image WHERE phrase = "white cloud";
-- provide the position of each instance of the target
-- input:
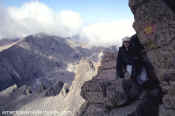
(108, 33)
(35, 17)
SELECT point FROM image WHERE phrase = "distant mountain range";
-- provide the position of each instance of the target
(39, 59)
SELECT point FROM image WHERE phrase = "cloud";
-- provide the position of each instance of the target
(7, 25)
(108, 33)
(35, 17)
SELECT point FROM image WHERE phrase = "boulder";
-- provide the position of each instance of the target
(109, 93)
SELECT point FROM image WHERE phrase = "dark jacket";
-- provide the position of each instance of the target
(123, 59)
(135, 56)
(132, 56)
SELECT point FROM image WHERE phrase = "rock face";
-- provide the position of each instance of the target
(154, 24)
(107, 98)
(109, 93)
(156, 32)
(107, 66)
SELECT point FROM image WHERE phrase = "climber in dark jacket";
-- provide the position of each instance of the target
(123, 58)
(133, 53)
(129, 55)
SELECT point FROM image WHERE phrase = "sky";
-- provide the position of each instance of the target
(100, 21)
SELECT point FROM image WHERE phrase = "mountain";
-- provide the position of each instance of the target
(39, 59)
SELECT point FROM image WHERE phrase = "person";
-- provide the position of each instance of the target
(132, 59)
(129, 60)
(123, 59)
(145, 78)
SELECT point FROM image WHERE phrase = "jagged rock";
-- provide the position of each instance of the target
(107, 68)
(109, 93)
(95, 92)
(55, 89)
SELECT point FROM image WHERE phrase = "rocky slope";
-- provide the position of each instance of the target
(67, 103)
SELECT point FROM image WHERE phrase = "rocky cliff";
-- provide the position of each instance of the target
(107, 66)
(154, 24)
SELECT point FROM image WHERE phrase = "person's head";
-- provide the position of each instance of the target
(126, 41)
